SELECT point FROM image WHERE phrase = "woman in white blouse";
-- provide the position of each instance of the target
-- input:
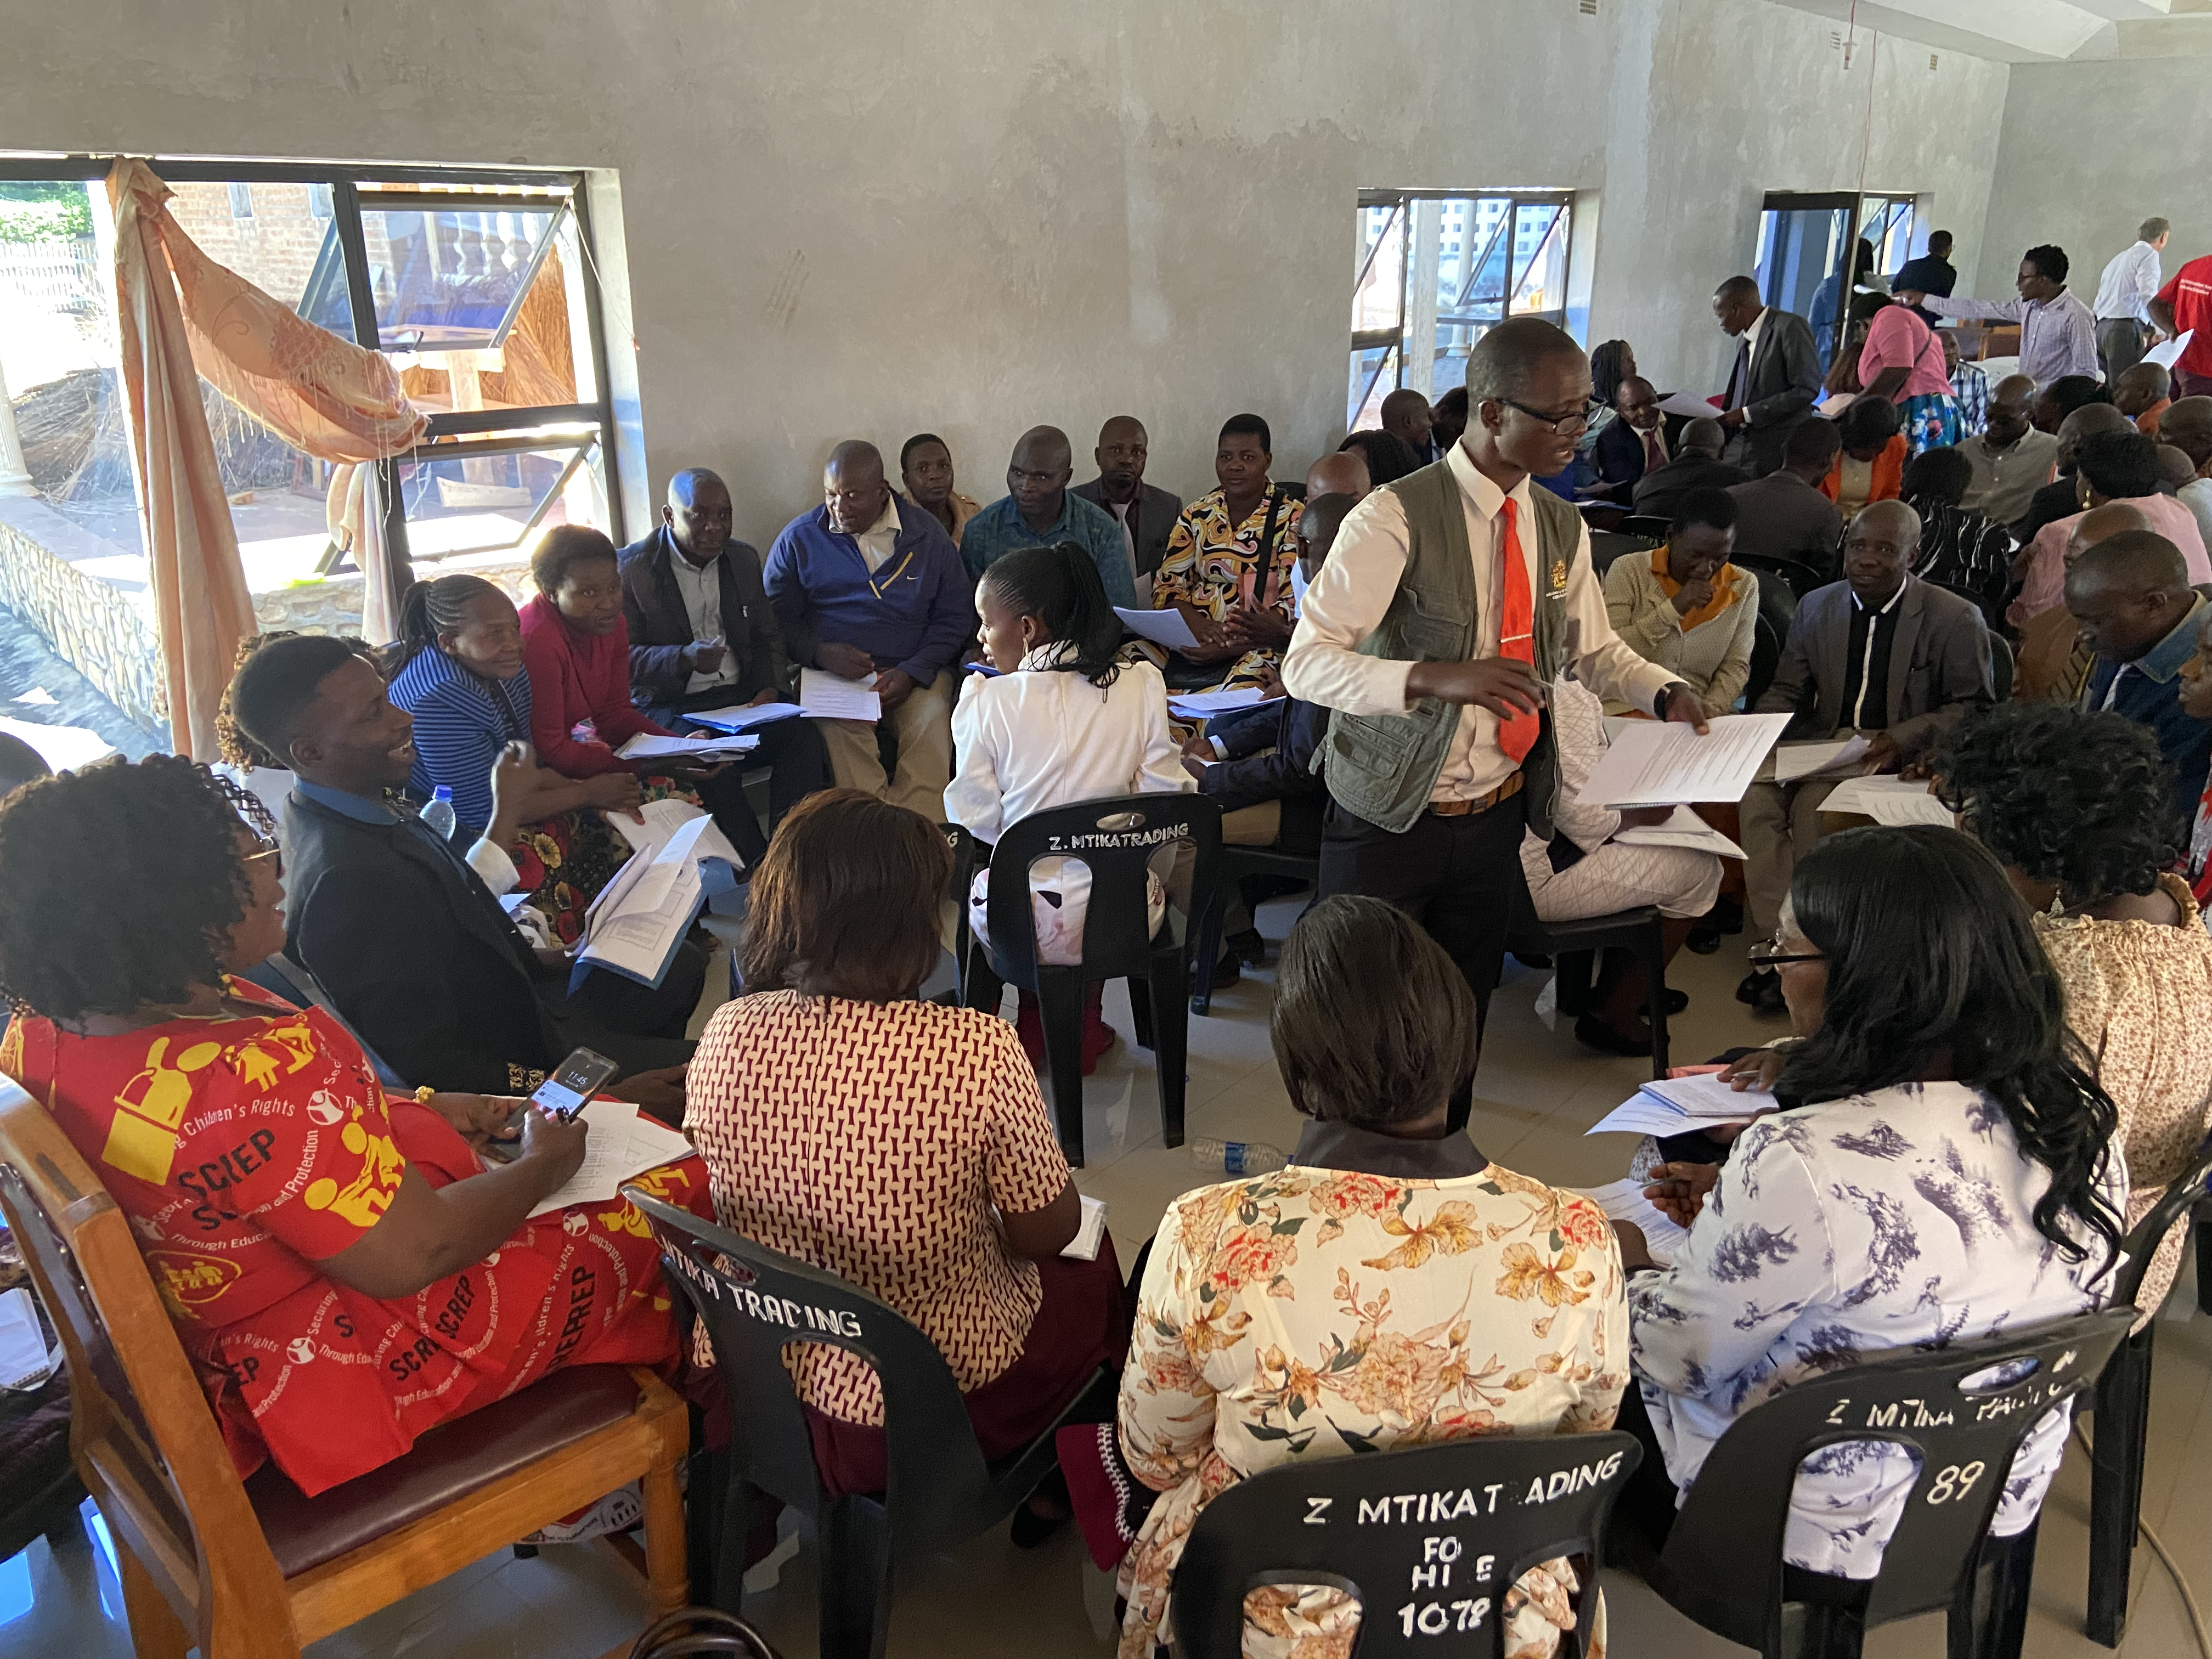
(1949, 1178)
(1066, 717)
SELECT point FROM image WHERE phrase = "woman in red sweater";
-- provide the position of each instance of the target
(575, 649)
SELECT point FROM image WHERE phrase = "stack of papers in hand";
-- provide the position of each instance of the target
(1674, 1105)
(1889, 801)
(1168, 628)
(745, 717)
(1664, 763)
(646, 746)
(641, 915)
(825, 697)
(1624, 1200)
(623, 1142)
(1205, 705)
(1807, 760)
(1084, 1247)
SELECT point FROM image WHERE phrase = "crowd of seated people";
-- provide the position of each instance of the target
(2007, 597)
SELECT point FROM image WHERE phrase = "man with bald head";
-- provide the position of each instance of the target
(1407, 417)
(1880, 653)
(1697, 464)
(863, 585)
(1145, 512)
(702, 636)
(1039, 510)
(2187, 425)
(2011, 459)
(2143, 394)
(2068, 492)
(2052, 660)
(1776, 380)
(1340, 472)
(2130, 597)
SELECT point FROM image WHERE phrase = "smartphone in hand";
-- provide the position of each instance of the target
(578, 1077)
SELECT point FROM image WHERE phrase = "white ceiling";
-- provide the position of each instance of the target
(2036, 31)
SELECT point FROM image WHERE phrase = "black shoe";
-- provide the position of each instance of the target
(1703, 941)
(1726, 916)
(1675, 1001)
(1246, 946)
(1594, 1033)
(1228, 970)
(1762, 989)
(1539, 963)
(1030, 1530)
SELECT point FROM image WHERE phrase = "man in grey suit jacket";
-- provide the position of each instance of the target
(1147, 515)
(1879, 652)
(1776, 380)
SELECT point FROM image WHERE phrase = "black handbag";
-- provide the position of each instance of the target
(702, 1630)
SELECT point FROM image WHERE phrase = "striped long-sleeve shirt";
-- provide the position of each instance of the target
(461, 724)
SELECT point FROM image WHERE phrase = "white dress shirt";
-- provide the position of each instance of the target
(1348, 597)
(703, 604)
(2130, 283)
(878, 541)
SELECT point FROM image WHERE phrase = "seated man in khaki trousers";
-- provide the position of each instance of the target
(868, 584)
(1879, 652)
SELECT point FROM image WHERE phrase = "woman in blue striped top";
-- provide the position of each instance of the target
(458, 669)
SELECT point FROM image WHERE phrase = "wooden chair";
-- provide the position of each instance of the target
(252, 1569)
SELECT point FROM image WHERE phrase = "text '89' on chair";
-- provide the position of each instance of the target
(940, 1490)
(1427, 1539)
(253, 1568)
(1116, 837)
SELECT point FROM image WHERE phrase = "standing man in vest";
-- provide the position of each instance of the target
(1451, 599)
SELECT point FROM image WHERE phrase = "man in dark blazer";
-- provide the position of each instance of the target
(1697, 464)
(1637, 441)
(410, 943)
(1146, 514)
(702, 636)
(1880, 654)
(1776, 380)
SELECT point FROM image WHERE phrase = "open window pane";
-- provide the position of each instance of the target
(451, 278)
(499, 496)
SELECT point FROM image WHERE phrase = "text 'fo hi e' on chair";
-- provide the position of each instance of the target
(1963, 1411)
(940, 1489)
(1427, 1539)
(252, 1569)
(1116, 837)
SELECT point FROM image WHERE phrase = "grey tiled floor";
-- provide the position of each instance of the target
(1539, 1092)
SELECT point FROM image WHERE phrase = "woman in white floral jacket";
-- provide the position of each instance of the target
(1392, 1286)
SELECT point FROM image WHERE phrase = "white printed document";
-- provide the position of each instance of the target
(2168, 352)
(1793, 760)
(1889, 801)
(1169, 627)
(634, 926)
(1204, 705)
(825, 696)
(1674, 1105)
(646, 746)
(1664, 763)
(1084, 1247)
(1690, 406)
(623, 1142)
(1624, 1200)
(1683, 829)
(745, 717)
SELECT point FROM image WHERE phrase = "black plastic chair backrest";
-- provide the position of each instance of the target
(2182, 1195)
(754, 1302)
(1427, 1539)
(1722, 1562)
(2001, 665)
(1114, 837)
(1653, 527)
(1802, 578)
(962, 846)
(1766, 658)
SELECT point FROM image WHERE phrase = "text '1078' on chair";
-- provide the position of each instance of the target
(1427, 1541)
(1964, 1410)
(1116, 837)
(940, 1490)
(253, 1568)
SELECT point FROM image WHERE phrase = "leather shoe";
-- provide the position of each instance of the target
(1594, 1033)
(1762, 990)
(1675, 1001)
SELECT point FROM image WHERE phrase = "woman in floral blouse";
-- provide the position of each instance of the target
(1392, 1286)
(1950, 1180)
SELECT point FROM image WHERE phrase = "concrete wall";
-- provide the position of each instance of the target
(854, 219)
(2066, 125)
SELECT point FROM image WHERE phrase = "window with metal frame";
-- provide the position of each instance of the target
(1433, 271)
(1804, 240)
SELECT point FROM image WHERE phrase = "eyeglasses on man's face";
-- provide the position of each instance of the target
(263, 847)
(1769, 953)
(1571, 424)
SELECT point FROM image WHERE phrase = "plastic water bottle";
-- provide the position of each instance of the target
(439, 814)
(1236, 1159)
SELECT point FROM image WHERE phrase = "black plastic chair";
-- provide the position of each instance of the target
(1721, 1564)
(962, 844)
(1766, 658)
(2001, 665)
(1427, 1539)
(1607, 545)
(941, 1492)
(1802, 578)
(1236, 863)
(1653, 527)
(1115, 837)
(1573, 947)
(2123, 1414)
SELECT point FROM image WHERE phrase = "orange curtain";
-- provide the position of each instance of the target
(202, 608)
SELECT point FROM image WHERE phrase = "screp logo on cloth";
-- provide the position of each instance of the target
(141, 1139)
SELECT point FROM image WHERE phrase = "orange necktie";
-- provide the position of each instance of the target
(1516, 636)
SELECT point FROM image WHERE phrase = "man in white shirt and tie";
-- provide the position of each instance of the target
(1452, 598)
(2130, 282)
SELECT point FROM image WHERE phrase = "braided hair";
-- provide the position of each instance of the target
(431, 608)
(1060, 587)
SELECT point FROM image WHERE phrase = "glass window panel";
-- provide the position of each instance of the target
(1379, 272)
(450, 279)
(285, 247)
(465, 504)
(1374, 376)
(1540, 254)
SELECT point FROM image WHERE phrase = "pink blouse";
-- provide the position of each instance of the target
(1897, 338)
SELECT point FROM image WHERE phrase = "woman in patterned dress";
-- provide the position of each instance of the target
(1228, 567)
(1949, 1179)
(1393, 1286)
(2079, 808)
(344, 1272)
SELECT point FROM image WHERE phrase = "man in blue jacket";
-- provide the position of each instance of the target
(864, 584)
